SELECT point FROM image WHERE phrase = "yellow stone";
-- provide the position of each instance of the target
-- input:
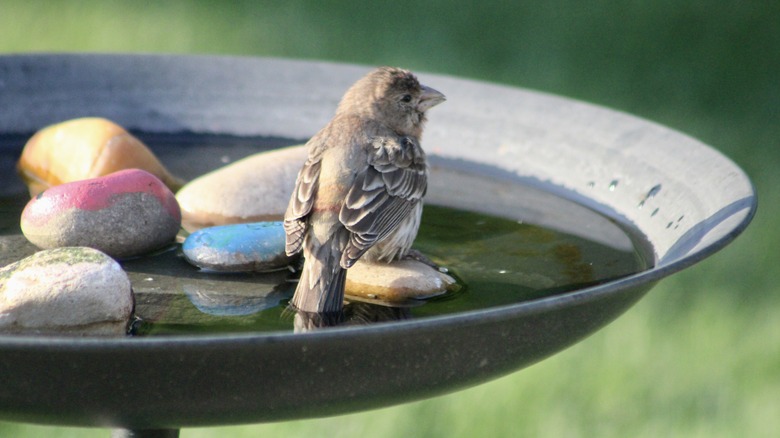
(85, 148)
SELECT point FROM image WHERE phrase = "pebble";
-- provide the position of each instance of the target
(254, 189)
(124, 214)
(85, 148)
(395, 282)
(65, 291)
(255, 247)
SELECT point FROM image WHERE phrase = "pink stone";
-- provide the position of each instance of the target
(123, 214)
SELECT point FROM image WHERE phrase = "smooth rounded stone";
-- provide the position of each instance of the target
(395, 282)
(65, 291)
(254, 189)
(85, 148)
(256, 247)
(124, 214)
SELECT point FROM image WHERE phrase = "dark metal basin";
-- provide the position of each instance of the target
(685, 198)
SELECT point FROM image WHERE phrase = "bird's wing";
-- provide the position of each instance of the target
(301, 201)
(395, 179)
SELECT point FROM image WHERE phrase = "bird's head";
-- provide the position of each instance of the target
(394, 97)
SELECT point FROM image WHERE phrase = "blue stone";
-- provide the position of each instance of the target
(253, 247)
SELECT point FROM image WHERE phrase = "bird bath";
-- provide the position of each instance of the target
(505, 152)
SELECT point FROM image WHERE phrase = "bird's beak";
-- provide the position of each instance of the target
(429, 98)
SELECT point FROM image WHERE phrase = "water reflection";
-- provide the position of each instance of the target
(173, 298)
(354, 313)
(220, 303)
(494, 260)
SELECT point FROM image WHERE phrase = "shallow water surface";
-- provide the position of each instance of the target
(497, 258)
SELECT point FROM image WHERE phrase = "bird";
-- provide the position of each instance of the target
(360, 192)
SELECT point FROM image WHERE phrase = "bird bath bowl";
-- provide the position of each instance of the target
(496, 150)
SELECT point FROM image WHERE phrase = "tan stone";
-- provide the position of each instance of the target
(254, 189)
(395, 282)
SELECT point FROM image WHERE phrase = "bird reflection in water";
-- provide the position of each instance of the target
(353, 314)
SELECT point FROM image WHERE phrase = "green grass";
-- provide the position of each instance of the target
(700, 356)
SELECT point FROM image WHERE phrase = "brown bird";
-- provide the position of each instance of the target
(360, 192)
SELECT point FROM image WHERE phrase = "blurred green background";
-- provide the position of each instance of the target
(700, 355)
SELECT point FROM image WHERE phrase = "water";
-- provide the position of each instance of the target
(497, 259)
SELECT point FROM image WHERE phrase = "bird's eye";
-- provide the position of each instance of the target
(407, 98)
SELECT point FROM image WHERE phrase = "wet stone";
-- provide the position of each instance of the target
(124, 214)
(253, 247)
(254, 189)
(395, 282)
(65, 291)
(85, 148)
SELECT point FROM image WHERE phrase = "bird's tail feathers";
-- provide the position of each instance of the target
(321, 286)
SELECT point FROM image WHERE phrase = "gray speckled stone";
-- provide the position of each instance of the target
(65, 291)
